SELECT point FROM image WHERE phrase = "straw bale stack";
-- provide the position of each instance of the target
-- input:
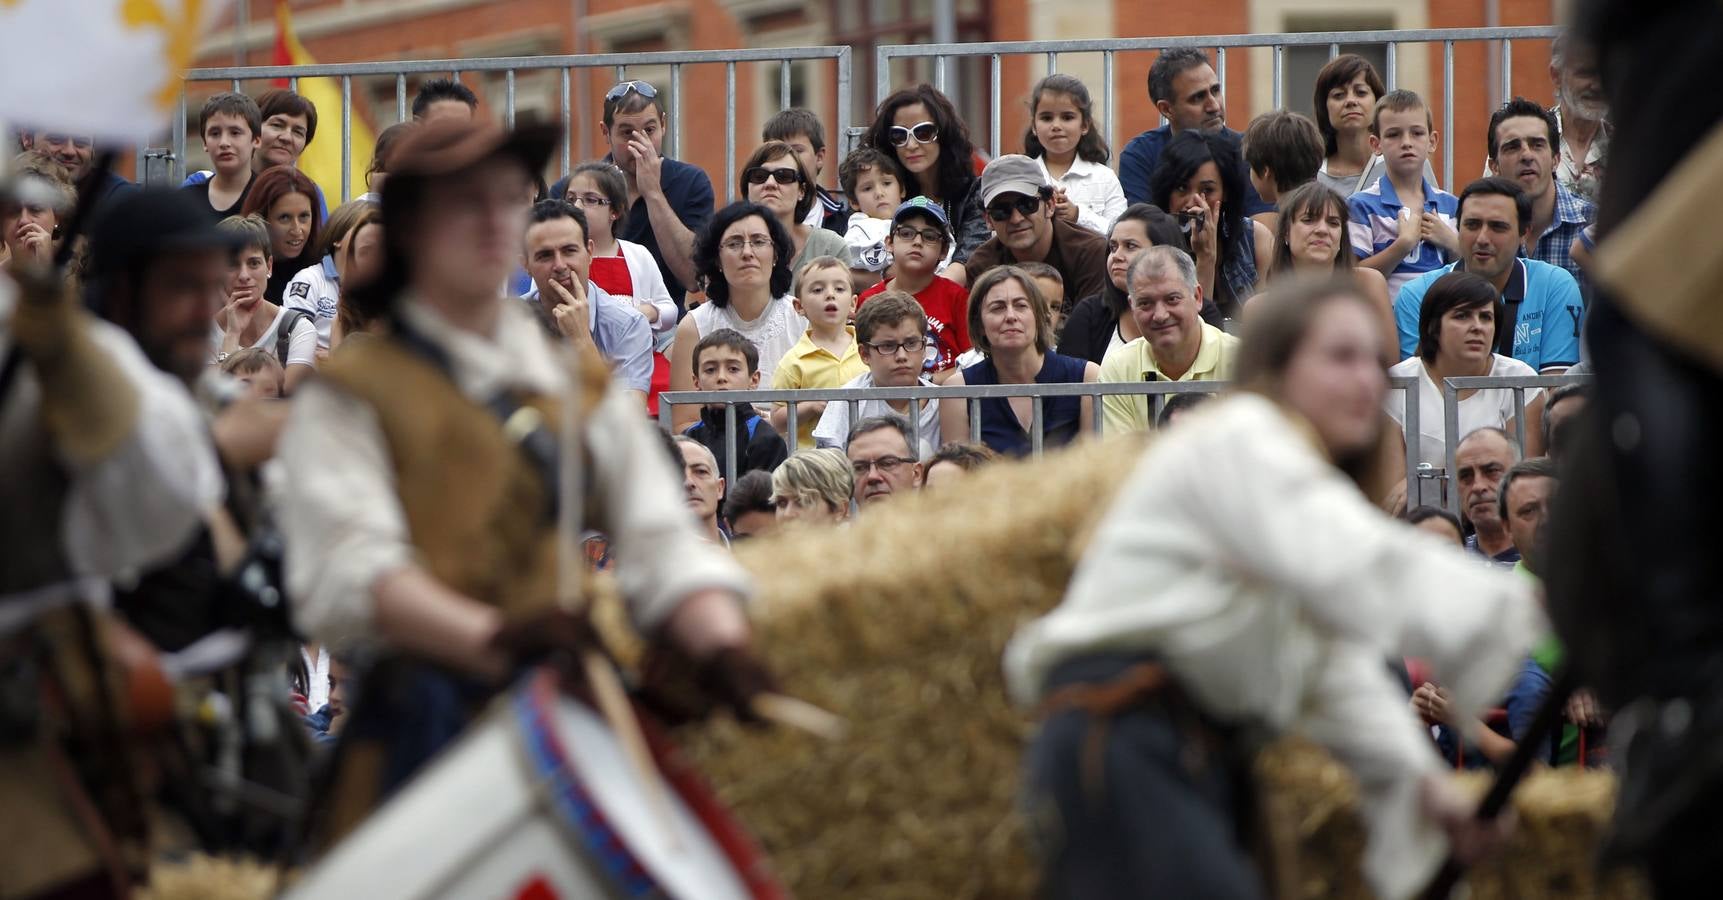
(203, 877)
(899, 624)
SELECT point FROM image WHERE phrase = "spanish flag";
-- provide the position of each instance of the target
(322, 158)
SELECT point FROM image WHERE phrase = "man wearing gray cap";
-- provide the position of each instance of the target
(1016, 196)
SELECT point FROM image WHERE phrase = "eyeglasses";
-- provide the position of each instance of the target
(908, 235)
(1000, 212)
(922, 132)
(758, 175)
(911, 346)
(885, 464)
(587, 200)
(759, 243)
(638, 87)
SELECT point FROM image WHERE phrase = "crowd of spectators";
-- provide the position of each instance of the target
(924, 267)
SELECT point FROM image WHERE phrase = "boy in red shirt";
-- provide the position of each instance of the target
(919, 237)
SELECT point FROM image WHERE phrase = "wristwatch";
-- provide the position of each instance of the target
(221, 356)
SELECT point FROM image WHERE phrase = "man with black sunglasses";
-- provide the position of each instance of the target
(669, 201)
(1015, 193)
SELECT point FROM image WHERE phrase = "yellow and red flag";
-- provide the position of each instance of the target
(111, 69)
(322, 158)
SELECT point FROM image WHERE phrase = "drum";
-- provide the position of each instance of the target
(539, 800)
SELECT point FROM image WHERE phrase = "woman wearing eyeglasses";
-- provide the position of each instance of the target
(1011, 324)
(774, 178)
(921, 128)
(742, 260)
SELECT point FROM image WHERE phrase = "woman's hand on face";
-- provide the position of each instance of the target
(1202, 229)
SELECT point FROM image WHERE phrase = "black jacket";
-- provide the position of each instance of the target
(764, 448)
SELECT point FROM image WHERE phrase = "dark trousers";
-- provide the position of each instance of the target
(1143, 808)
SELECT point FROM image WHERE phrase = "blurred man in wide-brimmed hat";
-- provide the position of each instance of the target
(426, 470)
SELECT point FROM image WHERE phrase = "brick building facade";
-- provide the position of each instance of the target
(370, 30)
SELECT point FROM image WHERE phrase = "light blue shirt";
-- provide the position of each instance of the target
(619, 331)
(1547, 319)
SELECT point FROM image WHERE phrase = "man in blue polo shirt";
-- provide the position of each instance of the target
(669, 201)
(1543, 310)
(1184, 87)
(1524, 144)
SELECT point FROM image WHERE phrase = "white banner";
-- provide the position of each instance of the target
(108, 69)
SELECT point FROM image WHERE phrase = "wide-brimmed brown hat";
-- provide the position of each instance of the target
(447, 146)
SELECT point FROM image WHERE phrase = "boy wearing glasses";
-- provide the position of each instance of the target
(1015, 194)
(919, 240)
(892, 332)
(669, 201)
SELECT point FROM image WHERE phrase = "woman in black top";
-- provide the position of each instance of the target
(920, 128)
(1096, 320)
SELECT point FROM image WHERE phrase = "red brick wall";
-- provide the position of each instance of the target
(709, 24)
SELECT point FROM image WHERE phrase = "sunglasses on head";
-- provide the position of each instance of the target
(1001, 211)
(638, 87)
(922, 132)
(758, 175)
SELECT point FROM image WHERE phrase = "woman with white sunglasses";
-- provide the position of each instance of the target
(921, 128)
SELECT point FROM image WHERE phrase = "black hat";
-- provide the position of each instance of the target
(147, 223)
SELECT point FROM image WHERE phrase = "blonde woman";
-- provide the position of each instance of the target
(813, 487)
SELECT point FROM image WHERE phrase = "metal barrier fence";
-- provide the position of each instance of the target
(973, 394)
(618, 62)
(154, 165)
(1157, 391)
(1108, 47)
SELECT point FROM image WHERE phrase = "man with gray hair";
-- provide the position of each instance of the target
(1177, 345)
(1581, 113)
(881, 453)
(1481, 461)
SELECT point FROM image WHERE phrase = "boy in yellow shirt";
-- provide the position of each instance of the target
(826, 356)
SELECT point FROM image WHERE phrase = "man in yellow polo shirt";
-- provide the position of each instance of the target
(1177, 345)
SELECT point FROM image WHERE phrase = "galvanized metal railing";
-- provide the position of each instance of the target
(973, 394)
(1109, 47)
(846, 126)
(619, 63)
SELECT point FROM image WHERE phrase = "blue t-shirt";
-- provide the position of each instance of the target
(690, 194)
(1375, 215)
(1548, 312)
(1061, 417)
(1140, 157)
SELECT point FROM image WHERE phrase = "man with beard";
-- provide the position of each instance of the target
(1581, 115)
(108, 468)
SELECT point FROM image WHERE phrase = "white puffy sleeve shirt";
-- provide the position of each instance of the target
(344, 526)
(142, 502)
(1275, 592)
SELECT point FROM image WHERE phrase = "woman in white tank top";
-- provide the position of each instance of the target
(743, 261)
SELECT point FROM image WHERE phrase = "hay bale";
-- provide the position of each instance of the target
(899, 625)
(203, 877)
